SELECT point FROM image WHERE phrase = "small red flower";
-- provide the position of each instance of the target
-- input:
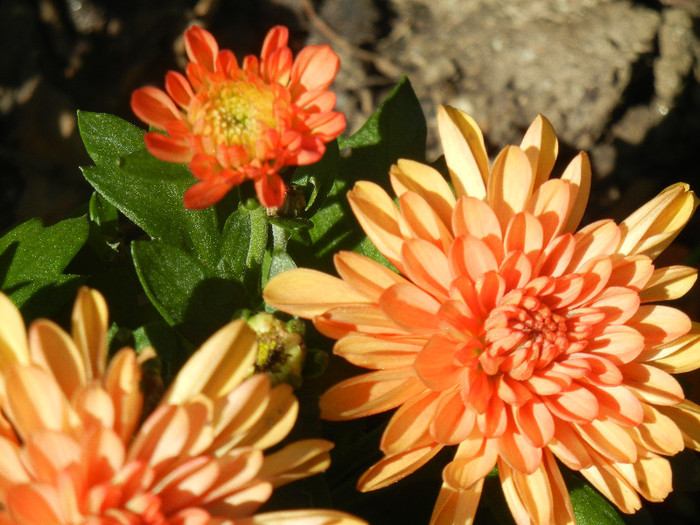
(231, 123)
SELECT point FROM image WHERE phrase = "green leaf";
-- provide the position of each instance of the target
(243, 244)
(396, 130)
(32, 263)
(145, 189)
(317, 179)
(188, 295)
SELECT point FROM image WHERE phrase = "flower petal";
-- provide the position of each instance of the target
(668, 283)
(409, 175)
(465, 152)
(390, 469)
(578, 175)
(510, 185)
(309, 293)
(541, 147)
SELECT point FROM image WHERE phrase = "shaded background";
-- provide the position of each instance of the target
(617, 78)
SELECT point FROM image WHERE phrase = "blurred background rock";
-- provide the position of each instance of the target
(618, 78)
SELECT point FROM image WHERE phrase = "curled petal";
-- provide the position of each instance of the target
(668, 283)
(154, 107)
(201, 47)
(314, 68)
(541, 147)
(395, 467)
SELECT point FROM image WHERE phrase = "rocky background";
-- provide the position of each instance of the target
(618, 78)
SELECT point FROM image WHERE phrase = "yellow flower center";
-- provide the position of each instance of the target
(236, 113)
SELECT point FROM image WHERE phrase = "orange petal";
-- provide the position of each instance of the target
(650, 476)
(569, 446)
(657, 433)
(201, 47)
(410, 307)
(409, 175)
(89, 324)
(217, 366)
(516, 450)
(550, 204)
(379, 218)
(474, 217)
(423, 221)
(470, 466)
(668, 283)
(524, 234)
(305, 516)
(315, 67)
(390, 469)
(578, 175)
(686, 415)
(653, 226)
(535, 422)
(309, 293)
(34, 504)
(436, 363)
(516, 270)
(619, 343)
(122, 381)
(660, 324)
(609, 440)
(179, 89)
(541, 147)
(370, 393)
(364, 275)
(652, 384)
(681, 355)
(205, 194)
(510, 184)
(167, 148)
(465, 152)
(270, 190)
(277, 420)
(52, 349)
(556, 257)
(633, 271)
(471, 256)
(452, 422)
(618, 404)
(154, 107)
(598, 238)
(370, 352)
(368, 319)
(427, 266)
(456, 506)
(577, 404)
(613, 486)
(408, 427)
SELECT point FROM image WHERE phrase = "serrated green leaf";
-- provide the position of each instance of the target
(188, 295)
(145, 189)
(32, 263)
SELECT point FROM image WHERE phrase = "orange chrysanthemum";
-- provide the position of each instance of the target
(234, 123)
(507, 333)
(72, 449)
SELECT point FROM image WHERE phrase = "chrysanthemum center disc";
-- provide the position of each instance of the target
(522, 334)
(236, 113)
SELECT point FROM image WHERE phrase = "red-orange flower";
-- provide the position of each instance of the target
(73, 450)
(232, 123)
(507, 332)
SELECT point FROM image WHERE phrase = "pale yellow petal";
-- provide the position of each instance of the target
(541, 147)
(652, 227)
(456, 507)
(390, 469)
(13, 335)
(679, 356)
(302, 517)
(650, 476)
(277, 420)
(123, 382)
(308, 293)
(297, 460)
(686, 415)
(89, 324)
(578, 175)
(380, 219)
(668, 283)
(409, 175)
(510, 185)
(218, 366)
(613, 486)
(465, 152)
(52, 349)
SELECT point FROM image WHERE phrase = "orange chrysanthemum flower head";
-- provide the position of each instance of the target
(506, 332)
(73, 448)
(234, 122)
